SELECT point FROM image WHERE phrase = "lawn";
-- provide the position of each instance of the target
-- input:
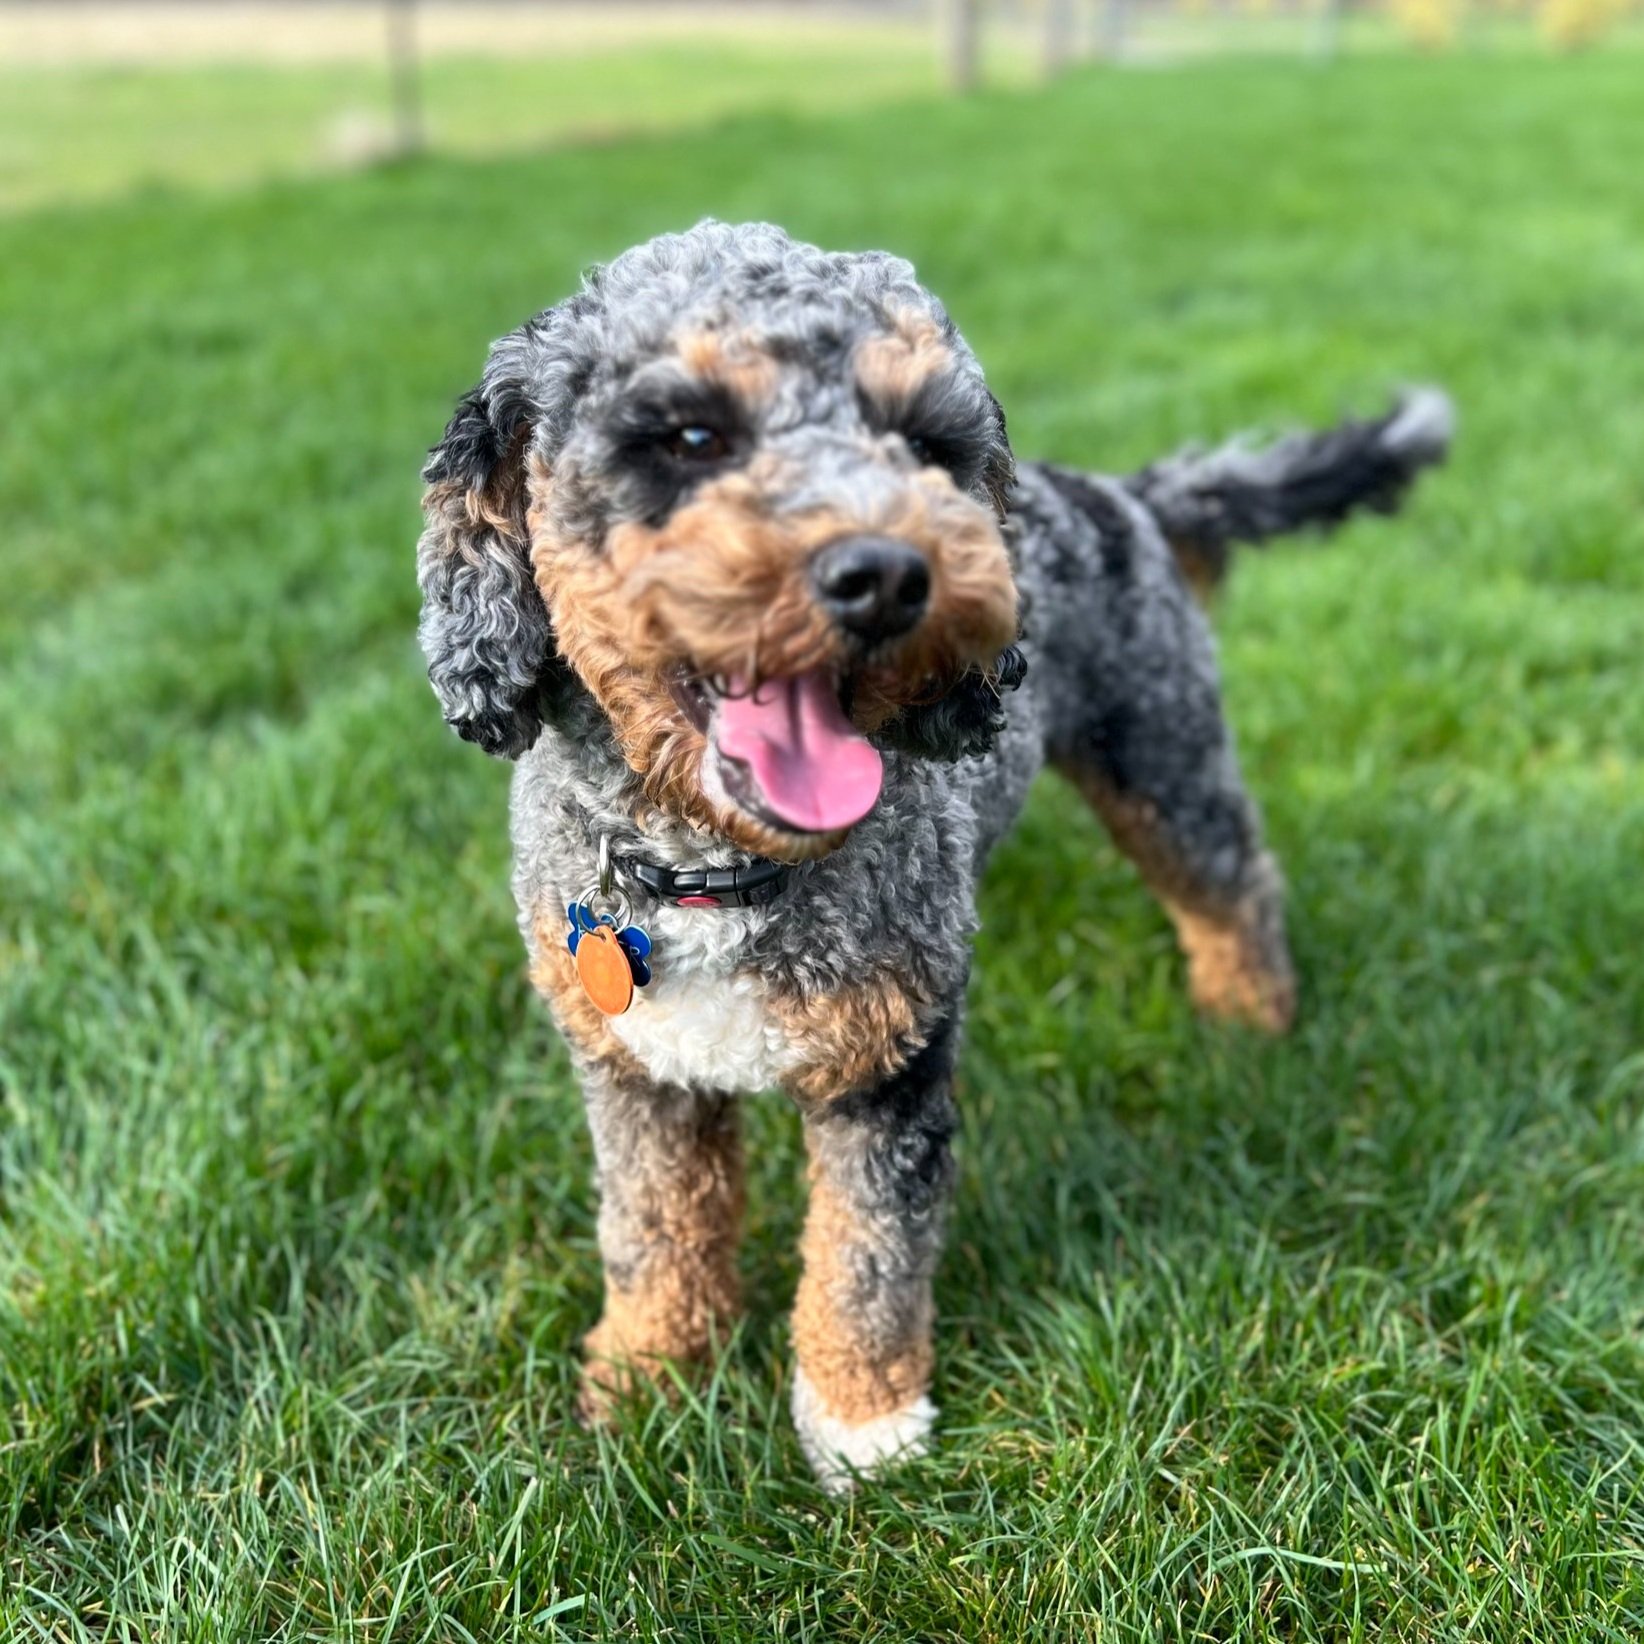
(1334, 1339)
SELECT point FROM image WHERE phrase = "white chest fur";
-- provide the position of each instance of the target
(717, 1033)
(702, 1022)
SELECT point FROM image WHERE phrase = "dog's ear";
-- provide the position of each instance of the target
(484, 627)
(968, 720)
(965, 722)
(999, 467)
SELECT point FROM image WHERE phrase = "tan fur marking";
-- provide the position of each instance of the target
(855, 1379)
(1237, 965)
(673, 1316)
(684, 1299)
(1228, 970)
(734, 360)
(892, 366)
(851, 1039)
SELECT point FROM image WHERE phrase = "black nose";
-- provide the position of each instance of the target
(873, 587)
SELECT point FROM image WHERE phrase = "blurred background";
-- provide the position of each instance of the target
(101, 96)
(1332, 1339)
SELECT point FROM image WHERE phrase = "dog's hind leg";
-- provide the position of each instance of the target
(1136, 724)
(880, 1173)
(1201, 855)
(1167, 786)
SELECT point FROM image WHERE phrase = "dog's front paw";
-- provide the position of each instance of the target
(842, 1452)
(614, 1373)
(607, 1382)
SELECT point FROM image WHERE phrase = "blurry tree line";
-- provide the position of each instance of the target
(1562, 23)
(1081, 28)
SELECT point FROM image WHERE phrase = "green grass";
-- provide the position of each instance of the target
(1336, 1339)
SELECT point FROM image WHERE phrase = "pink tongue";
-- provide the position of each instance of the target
(815, 770)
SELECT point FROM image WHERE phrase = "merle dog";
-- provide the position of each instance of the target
(730, 553)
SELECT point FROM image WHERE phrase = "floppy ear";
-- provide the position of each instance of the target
(999, 469)
(484, 626)
(968, 720)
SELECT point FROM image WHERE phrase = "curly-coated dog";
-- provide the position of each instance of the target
(729, 551)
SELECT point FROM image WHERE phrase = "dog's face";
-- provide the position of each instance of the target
(749, 494)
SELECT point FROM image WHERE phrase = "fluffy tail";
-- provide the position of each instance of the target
(1206, 501)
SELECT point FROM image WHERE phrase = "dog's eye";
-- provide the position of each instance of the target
(698, 443)
(931, 452)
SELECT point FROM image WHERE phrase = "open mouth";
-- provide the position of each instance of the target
(785, 750)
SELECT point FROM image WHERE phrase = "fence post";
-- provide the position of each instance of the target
(959, 41)
(405, 76)
(1059, 29)
(1327, 30)
(1111, 29)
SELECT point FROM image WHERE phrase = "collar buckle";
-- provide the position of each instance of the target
(747, 887)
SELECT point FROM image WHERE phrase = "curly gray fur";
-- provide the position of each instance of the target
(1114, 681)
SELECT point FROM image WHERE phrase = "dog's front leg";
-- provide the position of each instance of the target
(670, 1190)
(880, 1173)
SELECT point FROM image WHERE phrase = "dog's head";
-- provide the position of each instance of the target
(749, 496)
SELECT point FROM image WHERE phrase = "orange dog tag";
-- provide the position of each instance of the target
(603, 969)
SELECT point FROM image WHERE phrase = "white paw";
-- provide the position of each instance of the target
(838, 1450)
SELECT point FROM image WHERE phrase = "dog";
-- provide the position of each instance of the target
(730, 553)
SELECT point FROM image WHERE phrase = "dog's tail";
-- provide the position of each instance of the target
(1207, 501)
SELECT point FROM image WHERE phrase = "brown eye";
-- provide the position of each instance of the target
(923, 454)
(697, 443)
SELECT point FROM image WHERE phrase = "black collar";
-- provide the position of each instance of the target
(750, 887)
